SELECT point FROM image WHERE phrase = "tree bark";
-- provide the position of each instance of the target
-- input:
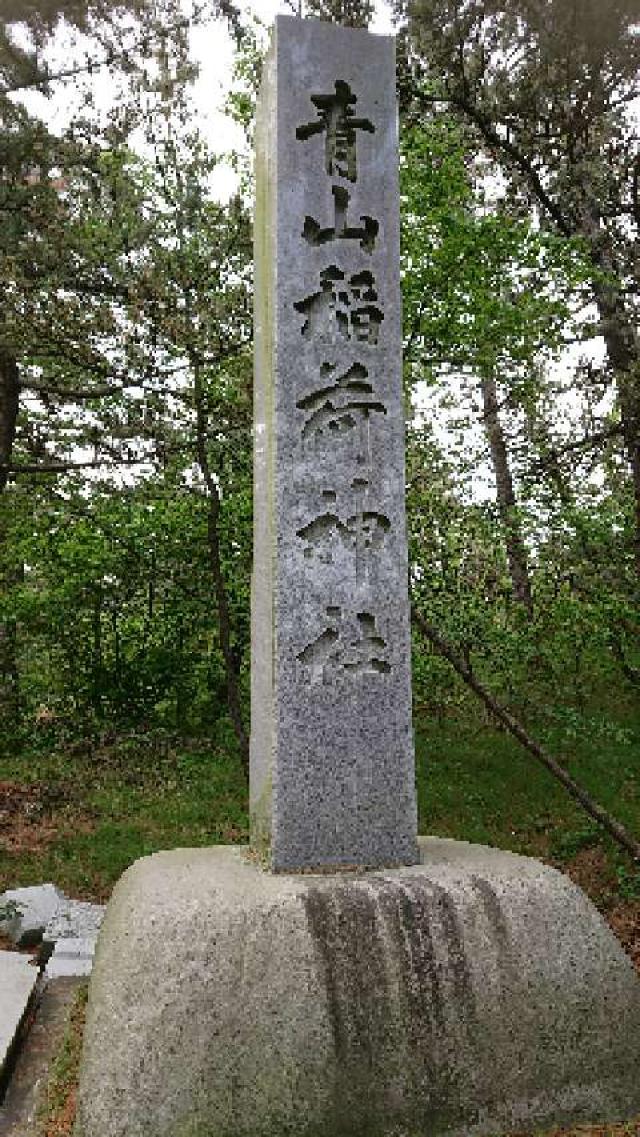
(10, 699)
(505, 495)
(612, 826)
(9, 675)
(215, 561)
(9, 400)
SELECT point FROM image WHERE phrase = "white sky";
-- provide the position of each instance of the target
(212, 49)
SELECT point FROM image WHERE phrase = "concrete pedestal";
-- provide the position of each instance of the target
(474, 993)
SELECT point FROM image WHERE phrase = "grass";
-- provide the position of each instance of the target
(56, 1115)
(81, 818)
(477, 784)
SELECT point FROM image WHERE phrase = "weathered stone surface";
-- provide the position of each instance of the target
(36, 906)
(476, 993)
(18, 982)
(75, 919)
(332, 772)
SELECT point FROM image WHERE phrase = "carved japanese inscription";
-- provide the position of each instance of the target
(337, 121)
(341, 230)
(361, 534)
(349, 644)
(344, 306)
(342, 408)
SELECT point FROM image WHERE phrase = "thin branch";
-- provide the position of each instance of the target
(587, 443)
(48, 468)
(45, 78)
(612, 826)
(69, 392)
(524, 164)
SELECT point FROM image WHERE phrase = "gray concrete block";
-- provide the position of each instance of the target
(36, 906)
(77, 919)
(332, 768)
(27, 1097)
(18, 982)
(71, 956)
(476, 993)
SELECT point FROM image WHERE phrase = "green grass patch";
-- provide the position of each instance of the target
(476, 783)
(56, 1115)
(100, 811)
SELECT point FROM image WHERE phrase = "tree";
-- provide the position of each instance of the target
(123, 280)
(348, 13)
(487, 296)
(197, 300)
(70, 214)
(490, 299)
(548, 90)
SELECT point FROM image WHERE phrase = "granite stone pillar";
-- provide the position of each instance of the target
(332, 769)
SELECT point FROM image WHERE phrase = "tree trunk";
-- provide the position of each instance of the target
(612, 826)
(9, 676)
(215, 561)
(505, 494)
(11, 574)
(9, 398)
(224, 631)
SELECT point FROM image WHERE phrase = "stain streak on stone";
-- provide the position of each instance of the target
(344, 926)
(457, 959)
(495, 915)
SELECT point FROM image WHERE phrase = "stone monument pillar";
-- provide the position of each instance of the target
(332, 771)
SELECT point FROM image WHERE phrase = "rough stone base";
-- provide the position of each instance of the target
(475, 993)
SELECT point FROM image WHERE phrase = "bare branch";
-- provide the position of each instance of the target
(48, 468)
(69, 392)
(612, 826)
(589, 442)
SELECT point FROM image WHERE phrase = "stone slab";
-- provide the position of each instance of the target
(36, 906)
(18, 982)
(332, 766)
(76, 919)
(72, 956)
(476, 993)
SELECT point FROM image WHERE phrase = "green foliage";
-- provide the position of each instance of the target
(348, 13)
(114, 610)
(482, 288)
(487, 292)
